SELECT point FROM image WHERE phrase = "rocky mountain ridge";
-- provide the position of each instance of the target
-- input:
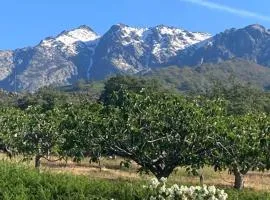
(81, 53)
(251, 43)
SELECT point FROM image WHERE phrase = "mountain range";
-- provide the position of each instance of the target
(81, 53)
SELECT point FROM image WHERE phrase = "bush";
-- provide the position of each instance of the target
(159, 191)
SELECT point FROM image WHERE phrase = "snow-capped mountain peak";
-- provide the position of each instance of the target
(81, 34)
(126, 34)
(167, 41)
(129, 31)
(80, 53)
(181, 37)
(70, 39)
(167, 30)
(131, 49)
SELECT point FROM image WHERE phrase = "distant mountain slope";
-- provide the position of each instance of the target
(82, 54)
(250, 43)
(56, 60)
(203, 77)
(131, 50)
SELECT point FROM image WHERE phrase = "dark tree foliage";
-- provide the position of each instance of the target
(46, 98)
(8, 98)
(241, 99)
(129, 83)
(82, 128)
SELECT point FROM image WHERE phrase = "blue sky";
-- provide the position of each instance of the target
(26, 22)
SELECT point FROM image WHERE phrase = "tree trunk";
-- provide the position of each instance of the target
(66, 161)
(9, 152)
(162, 174)
(238, 180)
(99, 164)
(37, 161)
(201, 179)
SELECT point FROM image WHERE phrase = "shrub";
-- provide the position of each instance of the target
(159, 191)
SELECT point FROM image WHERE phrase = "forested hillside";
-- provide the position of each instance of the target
(204, 77)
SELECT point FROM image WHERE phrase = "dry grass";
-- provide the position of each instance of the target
(110, 169)
(254, 180)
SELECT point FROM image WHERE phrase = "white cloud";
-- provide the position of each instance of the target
(228, 9)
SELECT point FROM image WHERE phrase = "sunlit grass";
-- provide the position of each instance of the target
(23, 182)
(110, 169)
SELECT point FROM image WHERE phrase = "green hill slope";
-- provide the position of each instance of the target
(203, 77)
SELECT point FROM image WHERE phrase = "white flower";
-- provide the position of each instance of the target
(161, 192)
(184, 197)
(212, 189)
(222, 195)
(205, 190)
(212, 198)
(190, 191)
(161, 197)
(162, 189)
(154, 183)
(169, 191)
(163, 180)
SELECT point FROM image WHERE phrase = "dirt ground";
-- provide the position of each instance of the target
(110, 169)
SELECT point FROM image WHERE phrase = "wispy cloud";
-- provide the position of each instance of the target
(228, 9)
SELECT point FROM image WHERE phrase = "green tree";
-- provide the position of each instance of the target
(159, 131)
(32, 132)
(12, 122)
(242, 144)
(241, 99)
(81, 128)
(130, 83)
(46, 98)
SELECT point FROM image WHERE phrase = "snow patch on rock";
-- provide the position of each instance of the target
(70, 39)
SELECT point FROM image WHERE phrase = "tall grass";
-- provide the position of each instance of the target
(20, 182)
(24, 183)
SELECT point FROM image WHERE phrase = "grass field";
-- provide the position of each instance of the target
(59, 180)
(110, 169)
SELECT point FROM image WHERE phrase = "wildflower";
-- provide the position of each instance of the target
(154, 183)
(163, 180)
(175, 192)
(212, 189)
